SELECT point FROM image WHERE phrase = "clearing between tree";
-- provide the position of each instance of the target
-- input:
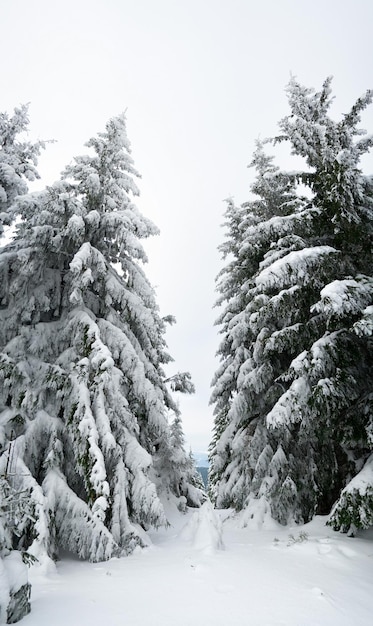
(208, 569)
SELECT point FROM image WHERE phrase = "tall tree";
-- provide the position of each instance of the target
(299, 415)
(18, 160)
(248, 243)
(83, 396)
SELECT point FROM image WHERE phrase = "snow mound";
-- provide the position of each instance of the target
(204, 530)
(16, 571)
(256, 516)
(13, 577)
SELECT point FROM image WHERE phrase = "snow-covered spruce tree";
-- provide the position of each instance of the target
(18, 160)
(83, 395)
(295, 384)
(179, 469)
(274, 195)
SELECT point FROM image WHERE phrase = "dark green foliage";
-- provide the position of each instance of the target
(353, 511)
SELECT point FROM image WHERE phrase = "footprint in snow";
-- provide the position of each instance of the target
(346, 551)
(324, 546)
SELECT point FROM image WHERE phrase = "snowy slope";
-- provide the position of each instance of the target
(192, 574)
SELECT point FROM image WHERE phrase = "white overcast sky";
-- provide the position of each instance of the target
(200, 80)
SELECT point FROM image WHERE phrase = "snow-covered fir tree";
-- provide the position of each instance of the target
(83, 398)
(18, 160)
(293, 394)
(179, 469)
(275, 195)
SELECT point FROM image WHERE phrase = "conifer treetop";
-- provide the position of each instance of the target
(18, 160)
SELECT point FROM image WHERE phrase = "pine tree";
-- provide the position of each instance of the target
(18, 160)
(84, 394)
(297, 347)
(248, 243)
(180, 476)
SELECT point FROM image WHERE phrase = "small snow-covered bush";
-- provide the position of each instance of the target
(354, 508)
(302, 536)
(353, 511)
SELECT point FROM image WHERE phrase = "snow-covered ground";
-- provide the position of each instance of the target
(207, 570)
